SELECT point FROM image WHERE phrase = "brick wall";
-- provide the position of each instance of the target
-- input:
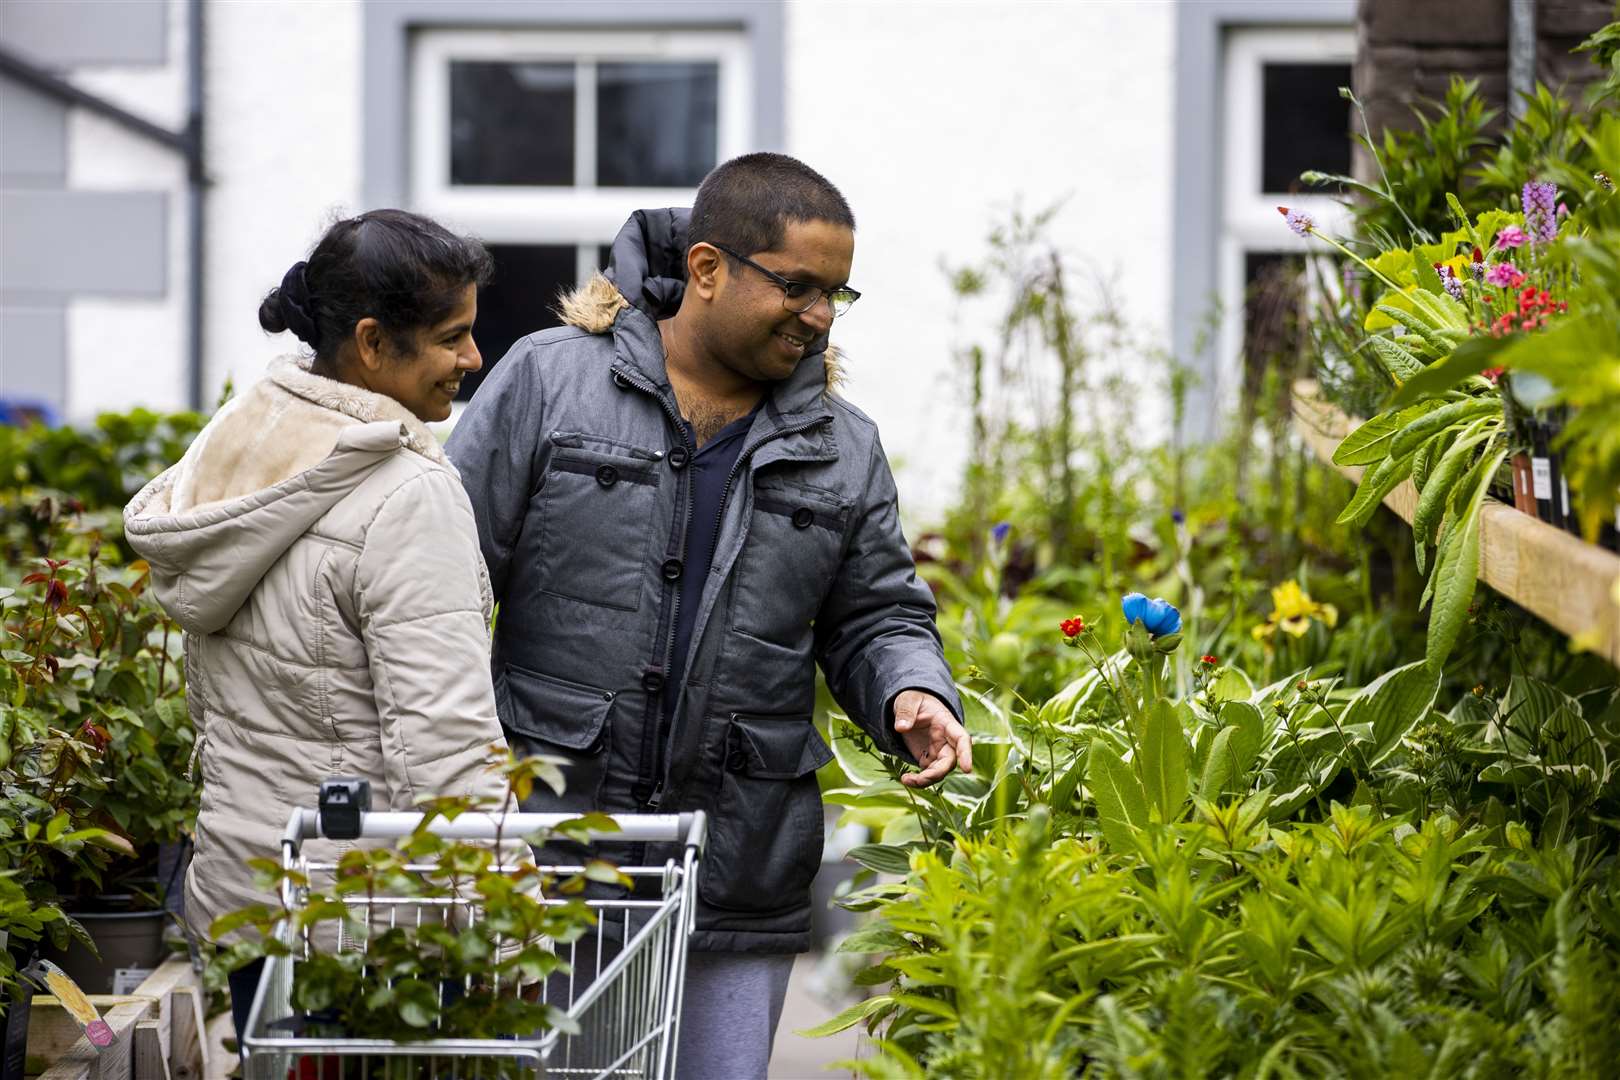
(1407, 51)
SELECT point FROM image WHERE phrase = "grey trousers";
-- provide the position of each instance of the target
(729, 1013)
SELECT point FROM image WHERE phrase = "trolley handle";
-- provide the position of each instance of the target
(690, 828)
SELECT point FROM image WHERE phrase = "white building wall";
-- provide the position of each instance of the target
(123, 352)
(933, 118)
(283, 148)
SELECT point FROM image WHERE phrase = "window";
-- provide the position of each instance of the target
(543, 143)
(1282, 115)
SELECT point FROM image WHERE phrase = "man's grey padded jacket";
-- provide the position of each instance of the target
(573, 458)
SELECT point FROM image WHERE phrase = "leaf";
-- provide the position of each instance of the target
(1369, 443)
(1391, 704)
(884, 858)
(1400, 363)
(1217, 765)
(1122, 805)
(1469, 358)
(1440, 341)
(848, 1018)
(1455, 574)
(1379, 481)
(1251, 727)
(1164, 761)
(861, 767)
(874, 937)
(1230, 685)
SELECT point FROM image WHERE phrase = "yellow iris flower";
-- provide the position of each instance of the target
(1292, 612)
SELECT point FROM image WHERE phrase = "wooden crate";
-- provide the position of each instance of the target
(1557, 576)
(159, 1032)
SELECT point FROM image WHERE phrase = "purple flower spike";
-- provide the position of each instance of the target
(1540, 202)
(999, 531)
(1453, 284)
(1298, 220)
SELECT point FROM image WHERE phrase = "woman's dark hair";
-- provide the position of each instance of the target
(747, 203)
(402, 269)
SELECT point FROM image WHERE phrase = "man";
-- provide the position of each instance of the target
(680, 520)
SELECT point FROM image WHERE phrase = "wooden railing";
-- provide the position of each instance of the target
(1570, 584)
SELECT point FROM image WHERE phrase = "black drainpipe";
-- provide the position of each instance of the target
(195, 187)
(188, 144)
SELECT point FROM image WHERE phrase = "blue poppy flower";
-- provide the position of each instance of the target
(1158, 617)
(999, 531)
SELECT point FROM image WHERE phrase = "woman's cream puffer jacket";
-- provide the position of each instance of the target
(320, 553)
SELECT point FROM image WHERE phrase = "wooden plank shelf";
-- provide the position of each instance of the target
(1570, 584)
(159, 1029)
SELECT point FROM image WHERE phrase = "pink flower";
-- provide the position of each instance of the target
(1563, 211)
(1505, 276)
(1510, 237)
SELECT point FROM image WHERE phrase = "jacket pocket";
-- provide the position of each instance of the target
(597, 514)
(787, 564)
(766, 839)
(563, 719)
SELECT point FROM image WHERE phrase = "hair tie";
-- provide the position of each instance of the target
(298, 308)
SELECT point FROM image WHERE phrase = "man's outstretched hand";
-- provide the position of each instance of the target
(932, 735)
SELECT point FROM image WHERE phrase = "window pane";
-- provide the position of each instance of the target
(519, 301)
(511, 123)
(1306, 123)
(656, 123)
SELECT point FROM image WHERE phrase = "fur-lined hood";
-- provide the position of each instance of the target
(268, 465)
(647, 273)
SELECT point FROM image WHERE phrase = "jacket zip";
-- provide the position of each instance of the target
(653, 723)
(648, 778)
(725, 497)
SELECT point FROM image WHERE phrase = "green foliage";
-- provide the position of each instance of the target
(1332, 906)
(95, 736)
(494, 919)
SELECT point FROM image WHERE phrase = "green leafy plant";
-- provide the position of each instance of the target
(458, 975)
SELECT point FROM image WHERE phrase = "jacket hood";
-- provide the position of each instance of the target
(647, 273)
(266, 467)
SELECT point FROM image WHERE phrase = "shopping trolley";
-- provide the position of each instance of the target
(624, 992)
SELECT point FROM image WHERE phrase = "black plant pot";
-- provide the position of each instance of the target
(14, 1007)
(128, 933)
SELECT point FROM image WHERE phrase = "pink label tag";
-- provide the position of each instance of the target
(99, 1033)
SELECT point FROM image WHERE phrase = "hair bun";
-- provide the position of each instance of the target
(297, 307)
(270, 313)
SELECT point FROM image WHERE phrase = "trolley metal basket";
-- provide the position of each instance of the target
(624, 991)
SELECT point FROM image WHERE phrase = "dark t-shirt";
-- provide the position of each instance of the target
(709, 469)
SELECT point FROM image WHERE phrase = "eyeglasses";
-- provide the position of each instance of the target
(800, 296)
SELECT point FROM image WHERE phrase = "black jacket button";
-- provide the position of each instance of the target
(652, 681)
(671, 569)
(802, 517)
(678, 458)
(607, 475)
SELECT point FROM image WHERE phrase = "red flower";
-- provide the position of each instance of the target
(1479, 256)
(1210, 660)
(1492, 373)
(1073, 627)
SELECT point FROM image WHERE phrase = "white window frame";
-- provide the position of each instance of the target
(583, 215)
(1250, 224)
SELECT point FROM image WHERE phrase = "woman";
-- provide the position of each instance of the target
(319, 551)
